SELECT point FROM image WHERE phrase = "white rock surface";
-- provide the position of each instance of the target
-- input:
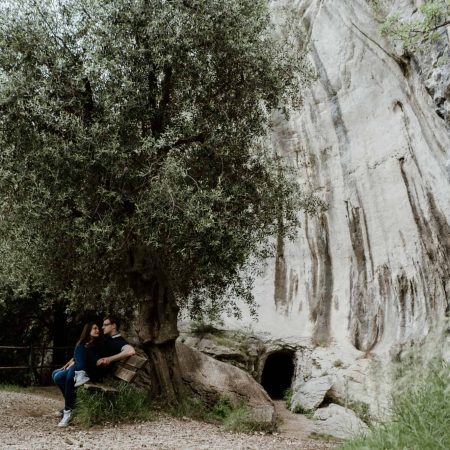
(339, 422)
(311, 394)
(373, 272)
(371, 276)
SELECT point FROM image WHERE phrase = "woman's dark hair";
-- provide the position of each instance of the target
(85, 337)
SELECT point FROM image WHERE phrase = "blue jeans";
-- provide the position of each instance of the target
(80, 357)
(64, 378)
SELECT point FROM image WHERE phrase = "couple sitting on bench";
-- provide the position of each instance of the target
(92, 359)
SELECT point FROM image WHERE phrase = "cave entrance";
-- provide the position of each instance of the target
(277, 373)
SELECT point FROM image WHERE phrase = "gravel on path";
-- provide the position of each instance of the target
(28, 421)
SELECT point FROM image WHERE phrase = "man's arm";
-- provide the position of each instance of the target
(127, 351)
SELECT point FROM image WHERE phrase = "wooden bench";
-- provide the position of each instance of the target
(125, 370)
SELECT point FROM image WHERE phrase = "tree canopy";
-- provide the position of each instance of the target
(132, 127)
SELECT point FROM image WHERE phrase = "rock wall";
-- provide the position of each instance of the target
(373, 272)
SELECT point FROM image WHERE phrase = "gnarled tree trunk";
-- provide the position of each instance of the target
(156, 326)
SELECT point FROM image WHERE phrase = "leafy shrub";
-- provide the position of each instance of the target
(128, 404)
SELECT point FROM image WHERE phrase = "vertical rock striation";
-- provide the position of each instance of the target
(373, 272)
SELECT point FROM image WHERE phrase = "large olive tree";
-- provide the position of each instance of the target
(133, 171)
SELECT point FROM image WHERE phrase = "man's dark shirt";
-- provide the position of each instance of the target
(114, 344)
(108, 346)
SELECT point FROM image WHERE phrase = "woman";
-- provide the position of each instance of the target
(80, 369)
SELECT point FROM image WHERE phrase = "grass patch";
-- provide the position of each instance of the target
(362, 410)
(222, 412)
(128, 404)
(202, 328)
(287, 397)
(322, 437)
(420, 413)
(11, 388)
(309, 413)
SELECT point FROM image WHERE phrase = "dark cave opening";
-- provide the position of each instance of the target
(277, 373)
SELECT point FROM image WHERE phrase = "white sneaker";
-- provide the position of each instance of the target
(80, 378)
(66, 418)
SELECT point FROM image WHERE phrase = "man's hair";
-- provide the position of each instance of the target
(113, 320)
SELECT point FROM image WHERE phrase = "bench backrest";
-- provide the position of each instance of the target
(127, 369)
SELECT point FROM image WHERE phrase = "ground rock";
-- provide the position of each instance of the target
(211, 348)
(339, 422)
(312, 393)
(211, 379)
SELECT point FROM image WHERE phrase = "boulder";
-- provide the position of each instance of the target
(311, 394)
(212, 379)
(211, 348)
(339, 422)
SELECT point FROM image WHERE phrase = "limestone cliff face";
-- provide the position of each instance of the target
(373, 272)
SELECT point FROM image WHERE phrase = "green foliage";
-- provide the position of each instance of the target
(25, 319)
(420, 412)
(376, 5)
(298, 409)
(322, 437)
(11, 388)
(362, 410)
(232, 417)
(287, 397)
(132, 136)
(128, 404)
(201, 328)
(418, 34)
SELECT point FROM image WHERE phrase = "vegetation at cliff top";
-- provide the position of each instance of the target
(417, 33)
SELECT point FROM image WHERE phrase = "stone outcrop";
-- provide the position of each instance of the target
(212, 379)
(311, 394)
(339, 422)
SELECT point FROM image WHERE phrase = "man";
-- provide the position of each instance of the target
(116, 346)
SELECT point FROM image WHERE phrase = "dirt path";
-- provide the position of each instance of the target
(28, 422)
(293, 425)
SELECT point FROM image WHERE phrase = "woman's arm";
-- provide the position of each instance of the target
(69, 363)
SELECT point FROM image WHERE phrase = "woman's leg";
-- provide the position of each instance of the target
(80, 355)
(59, 378)
(69, 389)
